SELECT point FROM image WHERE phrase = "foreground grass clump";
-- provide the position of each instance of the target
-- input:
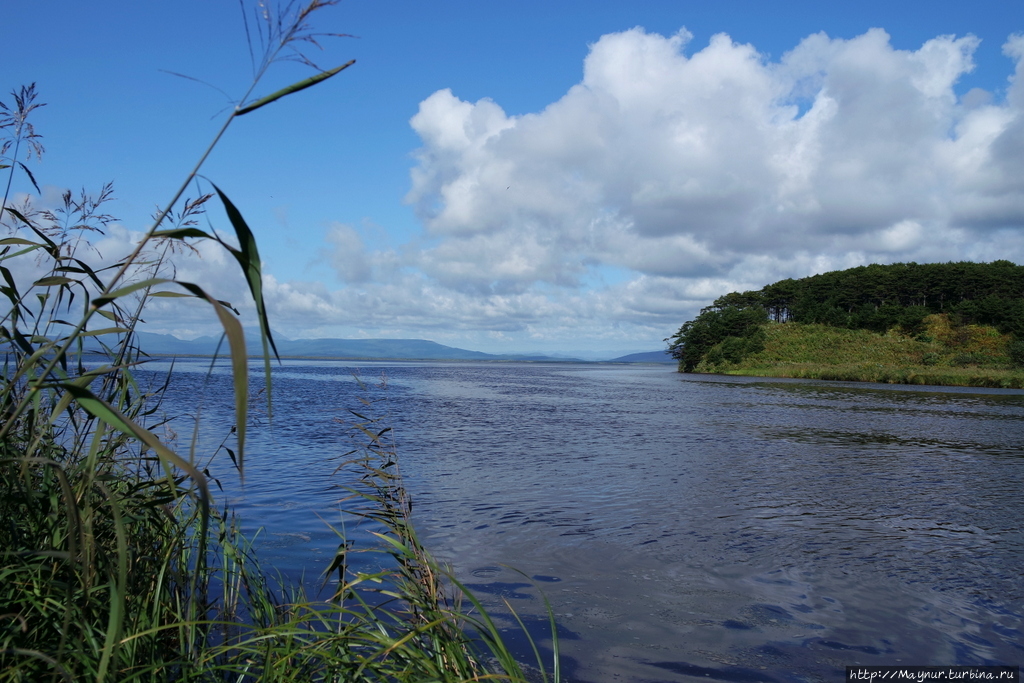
(116, 564)
(942, 354)
(110, 572)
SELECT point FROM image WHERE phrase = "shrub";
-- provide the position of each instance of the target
(1015, 352)
(963, 360)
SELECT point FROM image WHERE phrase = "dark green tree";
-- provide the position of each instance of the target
(718, 323)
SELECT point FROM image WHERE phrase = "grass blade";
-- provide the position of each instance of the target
(31, 177)
(248, 257)
(239, 365)
(53, 280)
(293, 88)
(101, 301)
(19, 240)
(180, 233)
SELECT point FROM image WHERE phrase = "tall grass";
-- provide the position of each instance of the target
(969, 355)
(115, 562)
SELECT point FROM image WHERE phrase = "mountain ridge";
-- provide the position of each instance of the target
(360, 349)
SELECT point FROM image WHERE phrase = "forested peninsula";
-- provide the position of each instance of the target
(959, 324)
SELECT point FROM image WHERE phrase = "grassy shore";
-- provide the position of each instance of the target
(942, 354)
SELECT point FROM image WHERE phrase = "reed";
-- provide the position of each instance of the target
(115, 562)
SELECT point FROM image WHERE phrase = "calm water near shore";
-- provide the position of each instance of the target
(682, 526)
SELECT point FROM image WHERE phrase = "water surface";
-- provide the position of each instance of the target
(682, 526)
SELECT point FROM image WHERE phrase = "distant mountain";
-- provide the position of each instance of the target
(358, 349)
(166, 345)
(645, 357)
(419, 349)
(349, 349)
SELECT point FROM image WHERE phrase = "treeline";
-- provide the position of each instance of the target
(875, 297)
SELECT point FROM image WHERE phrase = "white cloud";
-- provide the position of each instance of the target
(693, 171)
(346, 253)
(677, 165)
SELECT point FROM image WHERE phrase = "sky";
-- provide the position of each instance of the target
(554, 176)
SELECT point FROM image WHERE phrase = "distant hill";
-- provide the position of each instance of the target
(349, 349)
(167, 345)
(377, 349)
(359, 349)
(646, 357)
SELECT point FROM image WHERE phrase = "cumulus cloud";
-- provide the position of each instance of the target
(700, 165)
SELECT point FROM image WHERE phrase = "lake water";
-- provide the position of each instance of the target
(682, 526)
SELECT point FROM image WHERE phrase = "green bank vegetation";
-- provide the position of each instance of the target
(958, 324)
(116, 561)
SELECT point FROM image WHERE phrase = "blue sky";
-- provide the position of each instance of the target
(555, 176)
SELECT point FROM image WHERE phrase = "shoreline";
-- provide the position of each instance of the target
(989, 378)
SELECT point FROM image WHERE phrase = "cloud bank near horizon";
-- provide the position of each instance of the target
(669, 176)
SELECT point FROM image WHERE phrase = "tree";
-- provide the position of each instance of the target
(716, 324)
